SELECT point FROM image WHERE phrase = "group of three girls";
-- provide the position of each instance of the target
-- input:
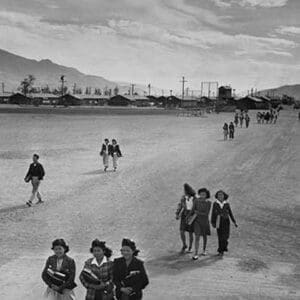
(125, 277)
(193, 212)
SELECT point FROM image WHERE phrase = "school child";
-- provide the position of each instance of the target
(129, 274)
(263, 117)
(225, 131)
(97, 273)
(231, 131)
(220, 219)
(59, 273)
(35, 174)
(236, 119)
(241, 117)
(105, 150)
(201, 209)
(258, 117)
(183, 213)
(247, 120)
(115, 153)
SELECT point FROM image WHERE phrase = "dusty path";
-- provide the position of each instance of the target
(259, 169)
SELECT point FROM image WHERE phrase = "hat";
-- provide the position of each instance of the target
(204, 190)
(220, 191)
(101, 244)
(188, 190)
(131, 244)
(60, 242)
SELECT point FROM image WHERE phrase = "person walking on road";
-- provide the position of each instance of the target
(231, 131)
(241, 117)
(115, 153)
(97, 273)
(225, 131)
(247, 120)
(129, 274)
(59, 273)
(183, 213)
(220, 219)
(236, 119)
(35, 174)
(201, 209)
(105, 151)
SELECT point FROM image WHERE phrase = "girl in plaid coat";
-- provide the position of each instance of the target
(101, 268)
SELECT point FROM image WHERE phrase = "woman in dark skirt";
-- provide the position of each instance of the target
(183, 213)
(220, 219)
(201, 208)
(129, 274)
(59, 273)
(97, 273)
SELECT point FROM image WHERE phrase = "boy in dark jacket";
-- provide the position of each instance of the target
(35, 174)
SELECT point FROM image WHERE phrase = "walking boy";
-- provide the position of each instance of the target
(35, 174)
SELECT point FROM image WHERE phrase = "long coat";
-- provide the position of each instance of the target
(67, 267)
(134, 276)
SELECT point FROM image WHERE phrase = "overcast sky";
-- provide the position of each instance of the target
(245, 43)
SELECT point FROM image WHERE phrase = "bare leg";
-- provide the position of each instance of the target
(197, 242)
(191, 240)
(204, 242)
(183, 239)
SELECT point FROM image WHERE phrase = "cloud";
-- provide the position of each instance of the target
(290, 30)
(251, 3)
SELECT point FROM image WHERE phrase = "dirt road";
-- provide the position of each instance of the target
(259, 169)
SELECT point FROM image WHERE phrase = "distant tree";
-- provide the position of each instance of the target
(116, 90)
(46, 89)
(27, 84)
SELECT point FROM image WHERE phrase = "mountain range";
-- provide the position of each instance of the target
(14, 68)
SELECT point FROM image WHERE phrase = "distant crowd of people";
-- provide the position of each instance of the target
(269, 117)
(104, 279)
(193, 211)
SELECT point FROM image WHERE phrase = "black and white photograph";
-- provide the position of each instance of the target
(149, 149)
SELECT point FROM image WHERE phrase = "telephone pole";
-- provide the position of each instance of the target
(132, 89)
(171, 91)
(149, 89)
(183, 81)
(62, 79)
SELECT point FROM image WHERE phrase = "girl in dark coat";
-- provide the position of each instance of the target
(97, 273)
(115, 153)
(59, 273)
(201, 209)
(129, 274)
(183, 213)
(231, 131)
(220, 219)
(225, 131)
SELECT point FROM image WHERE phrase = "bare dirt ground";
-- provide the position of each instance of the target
(259, 169)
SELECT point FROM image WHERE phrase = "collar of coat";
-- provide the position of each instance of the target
(95, 262)
(221, 204)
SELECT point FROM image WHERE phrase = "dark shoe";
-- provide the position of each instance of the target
(195, 257)
(28, 203)
(105, 169)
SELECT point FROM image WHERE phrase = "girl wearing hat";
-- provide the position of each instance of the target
(129, 274)
(59, 273)
(183, 213)
(220, 219)
(201, 208)
(96, 275)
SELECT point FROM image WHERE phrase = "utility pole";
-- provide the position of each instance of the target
(132, 89)
(62, 79)
(3, 89)
(74, 89)
(149, 89)
(171, 91)
(183, 81)
(162, 92)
